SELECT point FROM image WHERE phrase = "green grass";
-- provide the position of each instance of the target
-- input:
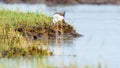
(10, 20)
(15, 18)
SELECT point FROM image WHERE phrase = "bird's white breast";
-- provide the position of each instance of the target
(57, 18)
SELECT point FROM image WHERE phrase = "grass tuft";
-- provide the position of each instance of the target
(12, 40)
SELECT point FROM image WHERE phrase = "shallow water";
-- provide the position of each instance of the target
(100, 25)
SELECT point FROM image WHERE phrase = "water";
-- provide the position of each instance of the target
(100, 25)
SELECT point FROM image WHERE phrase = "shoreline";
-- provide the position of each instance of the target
(64, 2)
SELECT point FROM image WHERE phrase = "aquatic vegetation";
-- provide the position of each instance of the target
(84, 66)
(25, 62)
(12, 41)
(29, 51)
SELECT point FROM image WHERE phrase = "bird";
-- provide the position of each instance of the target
(58, 16)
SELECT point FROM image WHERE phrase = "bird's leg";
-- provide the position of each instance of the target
(61, 31)
(57, 34)
(61, 28)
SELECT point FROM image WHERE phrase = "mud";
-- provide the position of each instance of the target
(48, 31)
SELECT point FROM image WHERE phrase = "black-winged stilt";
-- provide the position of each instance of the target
(58, 17)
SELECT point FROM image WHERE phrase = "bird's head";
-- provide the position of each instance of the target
(61, 13)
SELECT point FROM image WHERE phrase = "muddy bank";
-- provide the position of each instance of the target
(48, 31)
(65, 2)
(38, 34)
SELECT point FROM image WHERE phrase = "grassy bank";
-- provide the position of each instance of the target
(25, 33)
(12, 42)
